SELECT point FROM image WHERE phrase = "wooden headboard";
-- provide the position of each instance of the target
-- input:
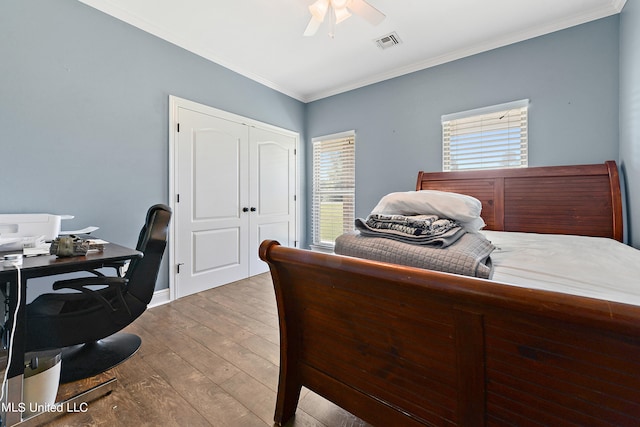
(582, 199)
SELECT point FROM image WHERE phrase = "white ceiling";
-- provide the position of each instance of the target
(262, 39)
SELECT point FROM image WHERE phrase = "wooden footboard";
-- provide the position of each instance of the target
(398, 346)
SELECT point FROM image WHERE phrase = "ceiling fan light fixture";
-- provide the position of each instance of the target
(341, 14)
(312, 27)
(340, 10)
(319, 9)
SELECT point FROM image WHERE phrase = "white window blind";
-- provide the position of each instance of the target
(333, 206)
(486, 138)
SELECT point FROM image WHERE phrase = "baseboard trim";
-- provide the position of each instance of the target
(160, 297)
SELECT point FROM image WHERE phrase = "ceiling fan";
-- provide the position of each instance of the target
(338, 11)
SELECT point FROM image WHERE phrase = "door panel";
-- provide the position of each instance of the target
(216, 249)
(273, 176)
(272, 192)
(277, 231)
(215, 155)
(211, 229)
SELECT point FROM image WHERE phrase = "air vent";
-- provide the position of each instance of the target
(388, 41)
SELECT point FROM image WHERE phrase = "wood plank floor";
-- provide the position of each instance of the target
(209, 359)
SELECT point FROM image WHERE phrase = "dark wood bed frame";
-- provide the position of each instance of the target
(582, 200)
(401, 346)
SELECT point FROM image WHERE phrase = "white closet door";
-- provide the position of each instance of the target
(272, 192)
(212, 178)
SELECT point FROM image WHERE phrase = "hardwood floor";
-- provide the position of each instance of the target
(209, 359)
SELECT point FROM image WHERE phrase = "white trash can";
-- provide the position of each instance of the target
(41, 379)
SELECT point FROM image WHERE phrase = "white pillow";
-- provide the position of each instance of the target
(459, 207)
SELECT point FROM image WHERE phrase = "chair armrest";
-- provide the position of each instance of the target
(80, 284)
(116, 265)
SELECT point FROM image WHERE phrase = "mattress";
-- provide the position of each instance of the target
(592, 267)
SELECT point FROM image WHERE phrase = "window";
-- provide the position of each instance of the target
(333, 206)
(486, 138)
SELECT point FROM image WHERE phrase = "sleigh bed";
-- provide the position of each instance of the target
(404, 346)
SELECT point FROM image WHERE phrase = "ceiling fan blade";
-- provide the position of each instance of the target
(312, 27)
(368, 12)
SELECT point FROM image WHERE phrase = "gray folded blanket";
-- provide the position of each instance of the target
(468, 256)
(417, 229)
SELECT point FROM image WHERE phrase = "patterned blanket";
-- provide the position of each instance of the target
(469, 255)
(416, 229)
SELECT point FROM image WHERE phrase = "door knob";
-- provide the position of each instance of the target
(245, 209)
(253, 209)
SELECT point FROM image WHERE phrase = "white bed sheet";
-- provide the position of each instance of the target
(587, 266)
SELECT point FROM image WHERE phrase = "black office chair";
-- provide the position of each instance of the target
(86, 324)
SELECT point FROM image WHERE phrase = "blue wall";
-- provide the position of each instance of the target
(570, 77)
(84, 113)
(630, 114)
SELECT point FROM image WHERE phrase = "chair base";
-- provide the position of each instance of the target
(90, 359)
